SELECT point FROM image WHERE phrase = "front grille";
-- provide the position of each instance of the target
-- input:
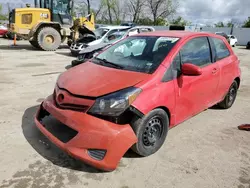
(75, 107)
(68, 106)
(97, 154)
(78, 46)
(61, 131)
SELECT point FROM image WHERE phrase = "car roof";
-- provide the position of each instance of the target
(115, 27)
(178, 34)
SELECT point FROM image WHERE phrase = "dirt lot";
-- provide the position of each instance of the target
(207, 151)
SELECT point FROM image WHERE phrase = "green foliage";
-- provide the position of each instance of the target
(145, 21)
(2, 16)
(247, 23)
(219, 24)
(229, 24)
(180, 21)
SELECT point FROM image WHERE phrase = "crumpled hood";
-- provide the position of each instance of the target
(92, 80)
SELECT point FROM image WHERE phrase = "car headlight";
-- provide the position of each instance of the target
(116, 103)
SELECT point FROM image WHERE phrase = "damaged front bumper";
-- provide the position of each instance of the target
(95, 141)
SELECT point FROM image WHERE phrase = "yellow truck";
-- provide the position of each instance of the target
(49, 24)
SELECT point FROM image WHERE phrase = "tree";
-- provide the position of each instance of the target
(2, 16)
(230, 24)
(247, 23)
(109, 5)
(219, 24)
(161, 8)
(180, 21)
(135, 8)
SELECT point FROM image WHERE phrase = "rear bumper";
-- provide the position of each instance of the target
(92, 133)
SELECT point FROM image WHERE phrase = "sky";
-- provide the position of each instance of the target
(197, 11)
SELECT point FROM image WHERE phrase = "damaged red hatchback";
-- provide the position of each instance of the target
(131, 94)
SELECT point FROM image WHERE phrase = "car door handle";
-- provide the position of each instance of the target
(214, 70)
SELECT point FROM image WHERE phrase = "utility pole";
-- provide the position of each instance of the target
(88, 7)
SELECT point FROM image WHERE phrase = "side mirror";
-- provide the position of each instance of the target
(191, 70)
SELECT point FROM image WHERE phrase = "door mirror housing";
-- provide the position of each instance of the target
(191, 70)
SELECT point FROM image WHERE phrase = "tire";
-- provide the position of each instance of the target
(155, 123)
(49, 39)
(230, 97)
(35, 44)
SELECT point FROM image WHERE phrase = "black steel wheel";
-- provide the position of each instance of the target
(151, 132)
(230, 97)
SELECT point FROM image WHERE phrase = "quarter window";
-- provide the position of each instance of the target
(197, 52)
(221, 49)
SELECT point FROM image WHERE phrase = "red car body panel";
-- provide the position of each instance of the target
(3, 31)
(92, 133)
(182, 98)
(95, 80)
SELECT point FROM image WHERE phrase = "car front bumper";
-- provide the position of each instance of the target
(92, 134)
(75, 52)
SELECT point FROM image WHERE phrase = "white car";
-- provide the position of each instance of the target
(233, 40)
(102, 34)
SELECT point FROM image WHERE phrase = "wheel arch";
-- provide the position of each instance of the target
(167, 111)
(41, 25)
(237, 79)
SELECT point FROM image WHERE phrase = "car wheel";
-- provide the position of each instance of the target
(230, 97)
(151, 132)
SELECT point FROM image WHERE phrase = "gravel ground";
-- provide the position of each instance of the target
(206, 151)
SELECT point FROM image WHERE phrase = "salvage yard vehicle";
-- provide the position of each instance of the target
(248, 45)
(100, 35)
(90, 51)
(49, 24)
(3, 30)
(233, 40)
(132, 93)
(223, 35)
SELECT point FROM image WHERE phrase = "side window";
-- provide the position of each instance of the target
(174, 71)
(110, 35)
(26, 18)
(197, 52)
(221, 49)
(177, 64)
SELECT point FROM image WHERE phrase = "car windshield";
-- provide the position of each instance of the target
(100, 32)
(137, 53)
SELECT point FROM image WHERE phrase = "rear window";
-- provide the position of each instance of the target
(221, 49)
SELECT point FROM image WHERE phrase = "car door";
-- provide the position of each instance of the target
(226, 63)
(195, 93)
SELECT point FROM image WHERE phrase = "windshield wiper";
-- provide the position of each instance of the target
(110, 63)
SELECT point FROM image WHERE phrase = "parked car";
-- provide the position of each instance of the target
(88, 52)
(132, 93)
(3, 30)
(233, 40)
(99, 35)
(223, 35)
(131, 24)
(248, 45)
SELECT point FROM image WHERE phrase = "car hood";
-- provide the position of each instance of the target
(98, 41)
(93, 48)
(92, 80)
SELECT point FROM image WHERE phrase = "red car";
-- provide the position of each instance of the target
(132, 93)
(3, 30)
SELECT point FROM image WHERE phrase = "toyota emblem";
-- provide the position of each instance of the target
(60, 98)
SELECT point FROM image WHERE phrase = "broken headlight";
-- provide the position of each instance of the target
(116, 103)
